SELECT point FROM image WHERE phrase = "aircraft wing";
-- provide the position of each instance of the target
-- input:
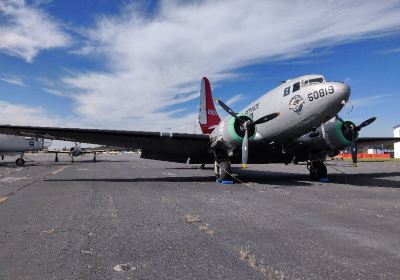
(377, 140)
(57, 152)
(175, 147)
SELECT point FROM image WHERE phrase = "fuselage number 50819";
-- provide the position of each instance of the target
(320, 93)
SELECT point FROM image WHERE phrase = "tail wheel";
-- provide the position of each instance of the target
(20, 161)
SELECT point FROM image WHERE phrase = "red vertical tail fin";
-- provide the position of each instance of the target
(208, 116)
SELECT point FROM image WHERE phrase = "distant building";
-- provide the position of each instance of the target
(396, 133)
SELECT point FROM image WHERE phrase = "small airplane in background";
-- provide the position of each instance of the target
(17, 145)
(295, 122)
(77, 151)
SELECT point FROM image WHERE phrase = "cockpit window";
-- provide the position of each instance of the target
(296, 86)
(316, 80)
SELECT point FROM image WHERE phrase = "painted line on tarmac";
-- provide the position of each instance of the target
(59, 170)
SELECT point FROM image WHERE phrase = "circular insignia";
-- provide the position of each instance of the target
(296, 103)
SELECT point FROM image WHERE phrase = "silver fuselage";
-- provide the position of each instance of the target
(10, 145)
(300, 111)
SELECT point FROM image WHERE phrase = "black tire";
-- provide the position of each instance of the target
(224, 171)
(20, 161)
(318, 170)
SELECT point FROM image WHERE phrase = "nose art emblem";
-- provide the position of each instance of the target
(296, 103)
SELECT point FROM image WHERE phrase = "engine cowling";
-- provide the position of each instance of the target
(332, 136)
(230, 133)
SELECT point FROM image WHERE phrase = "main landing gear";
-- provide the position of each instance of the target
(222, 169)
(317, 170)
(222, 166)
(20, 161)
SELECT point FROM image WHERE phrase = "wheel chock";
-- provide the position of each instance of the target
(324, 180)
(224, 182)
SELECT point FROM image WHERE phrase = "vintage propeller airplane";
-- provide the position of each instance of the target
(295, 122)
(77, 151)
(15, 145)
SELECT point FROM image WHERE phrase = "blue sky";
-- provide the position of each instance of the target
(137, 64)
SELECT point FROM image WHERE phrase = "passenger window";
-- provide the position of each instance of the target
(296, 86)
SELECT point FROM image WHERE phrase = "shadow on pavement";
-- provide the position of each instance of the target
(282, 179)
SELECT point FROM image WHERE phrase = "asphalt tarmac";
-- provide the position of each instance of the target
(129, 218)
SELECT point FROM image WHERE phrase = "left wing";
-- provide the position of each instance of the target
(57, 152)
(175, 147)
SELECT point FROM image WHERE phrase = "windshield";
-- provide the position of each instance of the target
(315, 81)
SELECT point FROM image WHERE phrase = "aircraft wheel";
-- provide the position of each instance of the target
(20, 161)
(223, 170)
(318, 170)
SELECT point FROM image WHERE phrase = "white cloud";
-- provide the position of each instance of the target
(26, 30)
(14, 80)
(152, 63)
(370, 100)
(234, 99)
(55, 92)
(390, 51)
(17, 114)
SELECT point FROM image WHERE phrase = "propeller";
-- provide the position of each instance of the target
(245, 149)
(229, 111)
(354, 135)
(365, 123)
(266, 118)
(245, 125)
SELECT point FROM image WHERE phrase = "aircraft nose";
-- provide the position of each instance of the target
(47, 144)
(343, 91)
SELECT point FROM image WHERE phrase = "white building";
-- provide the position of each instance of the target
(375, 151)
(396, 133)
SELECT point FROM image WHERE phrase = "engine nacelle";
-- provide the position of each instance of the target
(229, 134)
(331, 136)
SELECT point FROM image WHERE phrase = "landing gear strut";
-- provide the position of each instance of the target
(222, 166)
(94, 157)
(56, 158)
(222, 169)
(317, 170)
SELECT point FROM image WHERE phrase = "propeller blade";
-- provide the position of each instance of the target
(365, 123)
(354, 149)
(267, 118)
(340, 119)
(245, 149)
(228, 110)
